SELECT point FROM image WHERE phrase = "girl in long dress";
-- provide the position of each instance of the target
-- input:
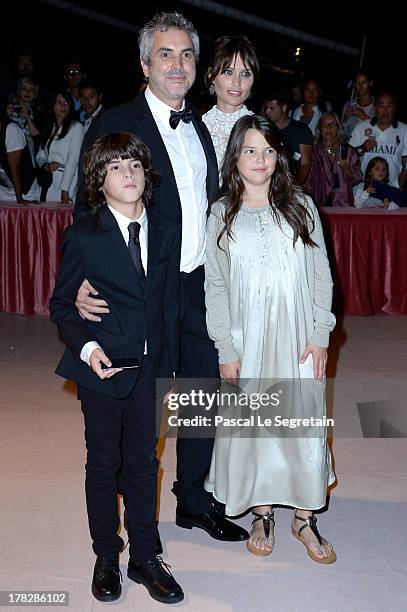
(268, 298)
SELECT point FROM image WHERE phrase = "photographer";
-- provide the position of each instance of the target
(23, 111)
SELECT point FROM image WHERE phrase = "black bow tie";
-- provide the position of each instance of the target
(176, 116)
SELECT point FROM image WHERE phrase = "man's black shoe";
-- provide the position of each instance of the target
(106, 578)
(158, 580)
(213, 523)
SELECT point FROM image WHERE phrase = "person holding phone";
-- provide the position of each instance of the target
(129, 254)
(335, 166)
(361, 108)
(384, 136)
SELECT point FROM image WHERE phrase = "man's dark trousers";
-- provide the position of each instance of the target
(199, 360)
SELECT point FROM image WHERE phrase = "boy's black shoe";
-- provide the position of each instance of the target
(107, 578)
(158, 580)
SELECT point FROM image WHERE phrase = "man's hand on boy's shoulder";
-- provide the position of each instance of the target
(97, 357)
(87, 304)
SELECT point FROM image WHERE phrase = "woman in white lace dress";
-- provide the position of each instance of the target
(233, 70)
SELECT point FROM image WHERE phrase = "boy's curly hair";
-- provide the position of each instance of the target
(107, 148)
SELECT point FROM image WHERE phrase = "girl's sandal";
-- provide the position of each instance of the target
(267, 517)
(311, 522)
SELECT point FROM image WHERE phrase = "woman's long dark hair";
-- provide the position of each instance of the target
(284, 196)
(227, 48)
(51, 121)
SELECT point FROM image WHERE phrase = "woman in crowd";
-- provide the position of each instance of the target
(233, 70)
(58, 156)
(268, 298)
(23, 110)
(335, 166)
(312, 108)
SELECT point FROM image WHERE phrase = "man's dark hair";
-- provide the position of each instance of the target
(89, 84)
(281, 97)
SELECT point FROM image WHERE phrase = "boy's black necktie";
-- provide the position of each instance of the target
(134, 248)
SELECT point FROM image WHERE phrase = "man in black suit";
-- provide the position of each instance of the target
(182, 151)
(130, 253)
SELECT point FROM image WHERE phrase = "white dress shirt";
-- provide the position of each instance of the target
(123, 222)
(88, 120)
(190, 169)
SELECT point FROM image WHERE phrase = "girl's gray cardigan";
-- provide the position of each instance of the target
(217, 273)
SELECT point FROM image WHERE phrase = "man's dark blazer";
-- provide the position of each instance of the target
(135, 117)
(94, 248)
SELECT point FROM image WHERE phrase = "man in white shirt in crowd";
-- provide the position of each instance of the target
(90, 96)
(385, 137)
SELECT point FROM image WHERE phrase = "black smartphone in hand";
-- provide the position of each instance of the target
(125, 363)
(343, 151)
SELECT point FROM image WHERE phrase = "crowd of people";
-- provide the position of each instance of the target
(197, 253)
(328, 152)
(42, 130)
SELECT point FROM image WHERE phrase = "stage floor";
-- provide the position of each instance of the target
(44, 540)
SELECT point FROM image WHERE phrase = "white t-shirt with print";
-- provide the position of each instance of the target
(15, 141)
(391, 144)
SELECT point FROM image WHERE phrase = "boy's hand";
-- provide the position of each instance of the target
(87, 304)
(97, 357)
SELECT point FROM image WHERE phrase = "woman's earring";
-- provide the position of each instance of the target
(211, 89)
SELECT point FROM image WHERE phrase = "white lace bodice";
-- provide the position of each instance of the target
(220, 125)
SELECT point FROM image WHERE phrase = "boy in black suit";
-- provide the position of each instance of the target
(130, 255)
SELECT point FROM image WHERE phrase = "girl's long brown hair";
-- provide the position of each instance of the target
(284, 196)
(368, 172)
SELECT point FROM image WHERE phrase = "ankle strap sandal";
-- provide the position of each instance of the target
(311, 522)
(267, 518)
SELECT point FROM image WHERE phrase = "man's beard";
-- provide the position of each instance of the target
(178, 93)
